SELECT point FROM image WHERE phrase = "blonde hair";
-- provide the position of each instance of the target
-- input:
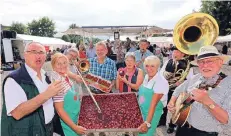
(152, 60)
(55, 57)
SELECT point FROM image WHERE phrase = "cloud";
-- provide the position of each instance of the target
(98, 12)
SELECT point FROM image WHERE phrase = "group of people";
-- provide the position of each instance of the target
(33, 101)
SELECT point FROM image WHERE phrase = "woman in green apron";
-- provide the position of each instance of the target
(67, 103)
(152, 96)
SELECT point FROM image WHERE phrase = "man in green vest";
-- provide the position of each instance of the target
(27, 97)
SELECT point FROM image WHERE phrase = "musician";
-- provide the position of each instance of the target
(72, 55)
(67, 103)
(103, 66)
(132, 76)
(152, 96)
(211, 109)
(172, 71)
(27, 97)
(142, 53)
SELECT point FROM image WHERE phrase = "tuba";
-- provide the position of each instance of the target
(194, 31)
(191, 33)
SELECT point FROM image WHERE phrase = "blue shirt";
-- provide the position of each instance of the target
(91, 53)
(107, 70)
(139, 57)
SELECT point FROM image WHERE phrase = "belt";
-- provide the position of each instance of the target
(189, 126)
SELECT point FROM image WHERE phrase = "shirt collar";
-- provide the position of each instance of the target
(153, 78)
(105, 60)
(33, 73)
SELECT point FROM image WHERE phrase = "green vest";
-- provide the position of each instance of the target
(32, 124)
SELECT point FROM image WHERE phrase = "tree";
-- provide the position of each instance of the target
(20, 28)
(220, 10)
(42, 27)
(66, 38)
(73, 26)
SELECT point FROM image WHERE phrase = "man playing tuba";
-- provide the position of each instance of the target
(175, 71)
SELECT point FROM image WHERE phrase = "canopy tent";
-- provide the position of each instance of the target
(161, 41)
(226, 38)
(43, 40)
(109, 30)
(124, 38)
(49, 43)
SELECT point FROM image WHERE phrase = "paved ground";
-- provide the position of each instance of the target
(161, 131)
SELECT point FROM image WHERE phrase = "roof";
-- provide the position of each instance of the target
(109, 30)
(43, 40)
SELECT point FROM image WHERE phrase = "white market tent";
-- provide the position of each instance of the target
(87, 31)
(226, 38)
(43, 40)
(123, 38)
(161, 41)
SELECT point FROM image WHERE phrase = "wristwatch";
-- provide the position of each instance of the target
(148, 124)
(211, 106)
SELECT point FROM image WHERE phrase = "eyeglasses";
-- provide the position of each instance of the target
(208, 62)
(36, 52)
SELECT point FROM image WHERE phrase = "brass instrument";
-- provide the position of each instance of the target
(190, 34)
(84, 66)
(194, 31)
(84, 82)
(183, 74)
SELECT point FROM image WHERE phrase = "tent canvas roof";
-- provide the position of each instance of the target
(43, 40)
(109, 30)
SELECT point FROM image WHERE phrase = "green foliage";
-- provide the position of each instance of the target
(66, 38)
(220, 10)
(95, 40)
(20, 28)
(43, 27)
(73, 26)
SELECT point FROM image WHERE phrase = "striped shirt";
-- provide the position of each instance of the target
(107, 70)
(200, 117)
(66, 82)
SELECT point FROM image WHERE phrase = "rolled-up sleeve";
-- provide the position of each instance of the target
(14, 95)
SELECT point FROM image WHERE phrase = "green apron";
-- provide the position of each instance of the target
(145, 98)
(72, 108)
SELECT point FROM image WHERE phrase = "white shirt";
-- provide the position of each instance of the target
(15, 95)
(160, 86)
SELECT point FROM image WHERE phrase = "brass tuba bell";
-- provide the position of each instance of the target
(194, 31)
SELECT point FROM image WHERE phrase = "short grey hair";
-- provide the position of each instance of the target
(102, 44)
(31, 44)
(71, 50)
(130, 55)
(152, 60)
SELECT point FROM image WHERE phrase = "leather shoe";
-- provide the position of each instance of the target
(170, 130)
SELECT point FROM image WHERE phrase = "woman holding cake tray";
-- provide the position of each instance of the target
(129, 78)
(152, 96)
(67, 103)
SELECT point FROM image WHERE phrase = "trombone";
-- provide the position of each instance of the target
(84, 67)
